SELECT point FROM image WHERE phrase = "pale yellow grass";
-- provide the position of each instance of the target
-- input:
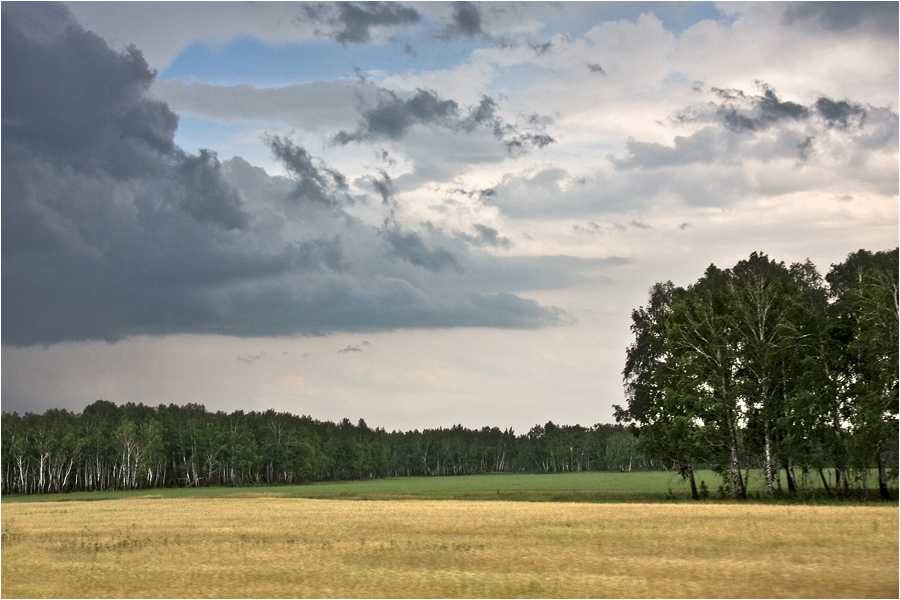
(278, 547)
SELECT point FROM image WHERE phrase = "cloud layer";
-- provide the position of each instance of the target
(111, 230)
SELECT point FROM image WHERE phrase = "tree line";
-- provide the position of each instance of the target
(771, 366)
(133, 446)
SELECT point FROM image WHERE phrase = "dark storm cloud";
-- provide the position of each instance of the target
(352, 22)
(466, 22)
(208, 198)
(748, 113)
(483, 113)
(109, 230)
(741, 112)
(393, 117)
(841, 16)
(314, 181)
(410, 246)
(72, 102)
(519, 143)
(841, 114)
(384, 185)
(484, 236)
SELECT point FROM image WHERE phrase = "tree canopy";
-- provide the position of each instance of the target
(134, 446)
(771, 366)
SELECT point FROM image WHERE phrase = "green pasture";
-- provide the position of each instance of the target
(642, 486)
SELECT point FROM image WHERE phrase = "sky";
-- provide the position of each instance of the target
(418, 214)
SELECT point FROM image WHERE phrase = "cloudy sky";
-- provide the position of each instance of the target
(419, 214)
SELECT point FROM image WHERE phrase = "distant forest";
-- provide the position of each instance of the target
(133, 446)
(760, 366)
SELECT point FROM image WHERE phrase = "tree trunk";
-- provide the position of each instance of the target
(882, 477)
(864, 480)
(695, 495)
(789, 475)
(824, 481)
(739, 492)
(770, 492)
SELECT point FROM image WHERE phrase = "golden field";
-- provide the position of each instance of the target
(284, 547)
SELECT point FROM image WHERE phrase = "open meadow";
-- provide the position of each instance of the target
(587, 486)
(260, 544)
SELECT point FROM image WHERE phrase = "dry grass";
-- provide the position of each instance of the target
(278, 547)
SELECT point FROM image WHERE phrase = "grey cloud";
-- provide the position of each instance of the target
(590, 228)
(70, 101)
(506, 43)
(840, 114)
(209, 199)
(396, 303)
(109, 230)
(519, 143)
(806, 148)
(349, 349)
(484, 113)
(841, 16)
(384, 185)
(484, 236)
(321, 254)
(410, 246)
(481, 195)
(753, 113)
(711, 145)
(352, 22)
(541, 48)
(714, 165)
(594, 228)
(748, 113)
(314, 182)
(466, 22)
(393, 117)
(704, 146)
(595, 68)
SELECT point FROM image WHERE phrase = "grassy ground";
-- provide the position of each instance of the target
(295, 547)
(650, 486)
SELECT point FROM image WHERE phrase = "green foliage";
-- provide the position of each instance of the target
(762, 365)
(131, 447)
(704, 491)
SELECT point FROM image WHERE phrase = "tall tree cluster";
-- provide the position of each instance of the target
(134, 446)
(771, 366)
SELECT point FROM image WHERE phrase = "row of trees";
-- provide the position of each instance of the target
(771, 366)
(135, 446)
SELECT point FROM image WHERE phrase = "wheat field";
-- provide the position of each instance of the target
(285, 547)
